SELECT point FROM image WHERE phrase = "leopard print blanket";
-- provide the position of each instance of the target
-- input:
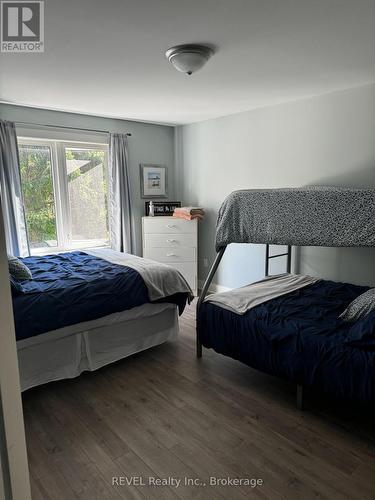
(307, 216)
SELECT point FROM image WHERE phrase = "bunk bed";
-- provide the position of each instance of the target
(297, 334)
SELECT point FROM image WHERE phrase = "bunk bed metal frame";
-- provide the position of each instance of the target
(206, 286)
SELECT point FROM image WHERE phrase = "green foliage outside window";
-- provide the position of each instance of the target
(87, 188)
(38, 196)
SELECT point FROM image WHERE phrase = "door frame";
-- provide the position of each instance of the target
(13, 454)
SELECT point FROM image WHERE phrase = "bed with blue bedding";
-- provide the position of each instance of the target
(75, 287)
(84, 310)
(300, 338)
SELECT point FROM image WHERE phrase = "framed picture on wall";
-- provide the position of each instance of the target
(153, 181)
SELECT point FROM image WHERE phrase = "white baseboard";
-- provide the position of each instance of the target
(214, 287)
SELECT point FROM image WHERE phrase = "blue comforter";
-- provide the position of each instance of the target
(298, 337)
(73, 287)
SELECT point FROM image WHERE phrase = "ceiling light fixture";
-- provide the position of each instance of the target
(189, 58)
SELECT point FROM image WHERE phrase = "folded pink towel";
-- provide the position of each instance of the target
(187, 216)
(189, 211)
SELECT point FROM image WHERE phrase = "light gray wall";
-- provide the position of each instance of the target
(323, 140)
(148, 144)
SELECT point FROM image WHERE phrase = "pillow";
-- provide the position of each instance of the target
(18, 270)
(360, 307)
(362, 333)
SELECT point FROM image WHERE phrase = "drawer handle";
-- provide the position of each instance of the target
(171, 255)
(171, 241)
(170, 226)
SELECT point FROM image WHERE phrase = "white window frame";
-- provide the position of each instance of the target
(60, 187)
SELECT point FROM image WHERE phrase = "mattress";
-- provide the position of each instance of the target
(74, 287)
(298, 337)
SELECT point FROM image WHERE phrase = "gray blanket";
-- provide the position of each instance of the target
(311, 216)
(241, 300)
(161, 280)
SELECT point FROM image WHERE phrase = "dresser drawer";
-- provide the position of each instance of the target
(163, 225)
(189, 272)
(170, 255)
(170, 240)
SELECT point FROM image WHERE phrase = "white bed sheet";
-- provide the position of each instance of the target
(67, 352)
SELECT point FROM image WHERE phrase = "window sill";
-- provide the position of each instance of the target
(39, 252)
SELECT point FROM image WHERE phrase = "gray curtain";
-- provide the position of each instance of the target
(11, 193)
(120, 203)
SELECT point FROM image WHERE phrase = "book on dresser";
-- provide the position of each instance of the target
(174, 242)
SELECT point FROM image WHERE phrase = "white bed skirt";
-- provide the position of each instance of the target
(67, 352)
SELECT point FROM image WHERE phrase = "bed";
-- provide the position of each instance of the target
(83, 310)
(297, 336)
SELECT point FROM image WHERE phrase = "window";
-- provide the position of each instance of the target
(38, 194)
(65, 190)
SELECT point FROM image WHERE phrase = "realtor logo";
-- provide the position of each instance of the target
(22, 26)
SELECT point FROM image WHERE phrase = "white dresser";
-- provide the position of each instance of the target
(174, 242)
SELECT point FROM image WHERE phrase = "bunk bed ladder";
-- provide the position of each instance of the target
(287, 254)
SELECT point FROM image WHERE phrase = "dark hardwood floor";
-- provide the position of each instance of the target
(164, 414)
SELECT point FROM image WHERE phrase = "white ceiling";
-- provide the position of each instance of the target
(107, 57)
